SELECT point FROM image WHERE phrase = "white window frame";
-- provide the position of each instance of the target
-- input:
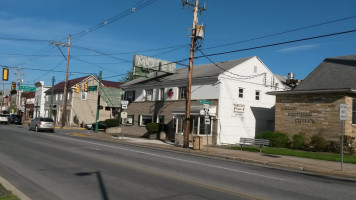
(60, 97)
(161, 94)
(56, 97)
(85, 95)
(149, 95)
(182, 93)
(140, 121)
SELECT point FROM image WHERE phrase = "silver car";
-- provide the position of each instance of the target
(4, 119)
(41, 124)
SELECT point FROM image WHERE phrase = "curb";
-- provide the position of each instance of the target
(240, 159)
(13, 189)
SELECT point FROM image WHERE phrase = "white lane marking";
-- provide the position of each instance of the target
(177, 159)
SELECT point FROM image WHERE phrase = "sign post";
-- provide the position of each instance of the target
(123, 116)
(207, 122)
(343, 118)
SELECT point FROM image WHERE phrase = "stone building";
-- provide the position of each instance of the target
(313, 107)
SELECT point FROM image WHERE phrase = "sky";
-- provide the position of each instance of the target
(105, 35)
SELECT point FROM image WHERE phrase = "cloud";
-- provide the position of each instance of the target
(299, 48)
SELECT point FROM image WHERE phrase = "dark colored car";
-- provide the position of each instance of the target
(101, 125)
(41, 124)
(15, 119)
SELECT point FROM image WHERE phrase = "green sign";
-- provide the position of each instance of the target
(92, 88)
(27, 88)
(204, 102)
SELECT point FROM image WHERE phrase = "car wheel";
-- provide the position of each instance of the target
(52, 131)
(36, 129)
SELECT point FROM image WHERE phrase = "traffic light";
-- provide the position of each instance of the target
(5, 74)
(77, 89)
(86, 87)
(13, 86)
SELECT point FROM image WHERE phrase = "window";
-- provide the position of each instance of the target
(129, 120)
(84, 95)
(241, 93)
(68, 96)
(182, 93)
(353, 111)
(56, 97)
(130, 96)
(160, 119)
(145, 119)
(257, 96)
(47, 97)
(161, 94)
(149, 95)
(60, 97)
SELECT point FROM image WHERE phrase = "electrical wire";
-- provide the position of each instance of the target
(283, 32)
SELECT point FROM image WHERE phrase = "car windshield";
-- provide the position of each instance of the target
(46, 120)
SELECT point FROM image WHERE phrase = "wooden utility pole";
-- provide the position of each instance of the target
(190, 71)
(64, 108)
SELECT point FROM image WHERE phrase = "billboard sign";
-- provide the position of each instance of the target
(143, 65)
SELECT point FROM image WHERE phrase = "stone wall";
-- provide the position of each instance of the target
(312, 114)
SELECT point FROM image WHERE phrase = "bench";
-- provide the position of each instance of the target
(253, 142)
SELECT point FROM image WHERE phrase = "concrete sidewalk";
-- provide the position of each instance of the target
(288, 162)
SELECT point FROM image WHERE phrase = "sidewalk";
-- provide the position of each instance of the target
(288, 162)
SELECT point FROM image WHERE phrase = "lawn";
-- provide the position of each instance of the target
(6, 195)
(298, 153)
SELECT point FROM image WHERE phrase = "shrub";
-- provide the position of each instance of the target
(318, 143)
(298, 141)
(349, 145)
(112, 123)
(153, 127)
(275, 139)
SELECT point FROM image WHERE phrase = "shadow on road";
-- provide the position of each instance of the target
(100, 181)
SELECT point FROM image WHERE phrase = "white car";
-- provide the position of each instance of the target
(4, 119)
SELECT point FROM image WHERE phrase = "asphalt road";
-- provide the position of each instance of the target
(61, 166)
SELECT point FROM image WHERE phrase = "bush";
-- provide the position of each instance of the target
(349, 145)
(275, 139)
(153, 127)
(112, 123)
(318, 143)
(298, 141)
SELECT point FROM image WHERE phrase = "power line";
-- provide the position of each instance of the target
(280, 43)
(283, 32)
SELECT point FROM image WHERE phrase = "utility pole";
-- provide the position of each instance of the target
(51, 106)
(98, 104)
(190, 70)
(64, 108)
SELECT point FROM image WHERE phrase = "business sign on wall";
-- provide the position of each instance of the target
(238, 109)
(143, 65)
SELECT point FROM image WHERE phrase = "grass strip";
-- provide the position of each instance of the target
(298, 153)
(6, 195)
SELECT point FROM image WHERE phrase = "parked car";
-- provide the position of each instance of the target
(41, 124)
(15, 119)
(4, 118)
(101, 125)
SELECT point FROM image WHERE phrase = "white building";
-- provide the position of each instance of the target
(236, 89)
(39, 101)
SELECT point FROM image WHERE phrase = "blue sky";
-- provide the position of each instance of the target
(160, 30)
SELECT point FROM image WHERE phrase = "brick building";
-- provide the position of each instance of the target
(313, 106)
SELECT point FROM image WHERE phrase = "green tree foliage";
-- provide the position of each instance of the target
(128, 77)
(153, 127)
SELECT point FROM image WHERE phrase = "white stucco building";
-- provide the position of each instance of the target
(236, 89)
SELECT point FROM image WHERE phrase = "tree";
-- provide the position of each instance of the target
(128, 77)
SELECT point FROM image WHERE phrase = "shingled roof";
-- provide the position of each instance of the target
(208, 71)
(60, 86)
(332, 74)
